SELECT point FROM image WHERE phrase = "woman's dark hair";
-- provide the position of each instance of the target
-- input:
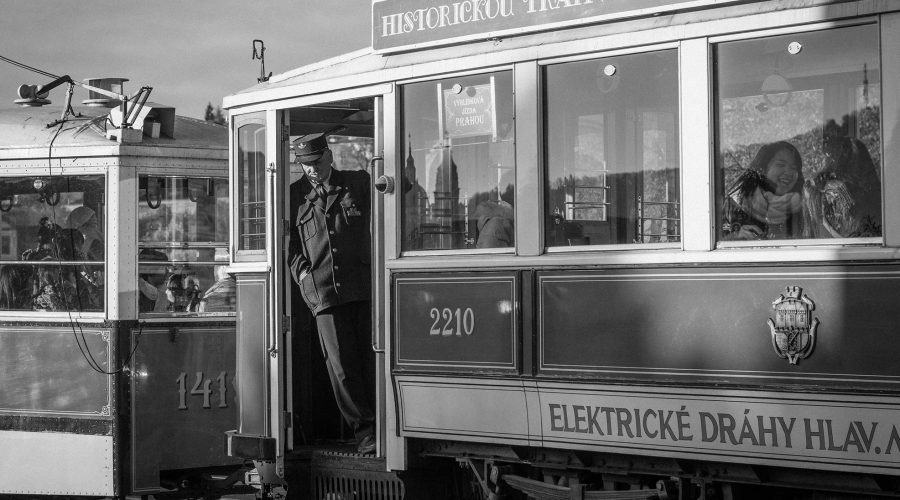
(765, 155)
(10, 287)
(754, 176)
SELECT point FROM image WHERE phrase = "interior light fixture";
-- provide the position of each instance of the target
(776, 90)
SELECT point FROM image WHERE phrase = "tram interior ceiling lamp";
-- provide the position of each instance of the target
(129, 108)
(154, 192)
(776, 89)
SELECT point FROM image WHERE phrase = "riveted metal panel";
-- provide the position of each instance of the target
(50, 463)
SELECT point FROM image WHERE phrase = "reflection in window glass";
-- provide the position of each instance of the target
(52, 243)
(251, 176)
(458, 180)
(183, 240)
(798, 119)
(612, 151)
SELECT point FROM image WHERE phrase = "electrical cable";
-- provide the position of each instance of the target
(79, 335)
(27, 67)
(81, 340)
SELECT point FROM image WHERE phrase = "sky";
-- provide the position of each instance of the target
(192, 52)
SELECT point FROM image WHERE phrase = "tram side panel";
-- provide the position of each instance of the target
(57, 425)
(782, 366)
(183, 400)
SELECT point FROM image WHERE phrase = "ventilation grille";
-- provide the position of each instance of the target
(345, 484)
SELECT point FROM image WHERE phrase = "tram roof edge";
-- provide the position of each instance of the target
(366, 67)
(26, 129)
(358, 61)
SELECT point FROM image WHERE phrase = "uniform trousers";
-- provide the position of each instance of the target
(345, 333)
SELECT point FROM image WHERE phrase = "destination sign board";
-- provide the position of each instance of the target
(469, 111)
(408, 24)
(456, 320)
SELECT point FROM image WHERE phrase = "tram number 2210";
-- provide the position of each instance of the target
(202, 387)
(449, 322)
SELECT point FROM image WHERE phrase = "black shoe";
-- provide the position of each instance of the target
(366, 445)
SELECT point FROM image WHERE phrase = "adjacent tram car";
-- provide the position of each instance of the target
(117, 334)
(619, 250)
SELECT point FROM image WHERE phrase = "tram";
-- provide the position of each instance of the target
(117, 322)
(619, 250)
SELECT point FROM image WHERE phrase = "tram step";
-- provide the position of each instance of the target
(340, 473)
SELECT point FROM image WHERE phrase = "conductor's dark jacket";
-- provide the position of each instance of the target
(329, 252)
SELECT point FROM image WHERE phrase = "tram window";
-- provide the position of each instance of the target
(458, 179)
(612, 151)
(251, 188)
(798, 141)
(183, 242)
(51, 256)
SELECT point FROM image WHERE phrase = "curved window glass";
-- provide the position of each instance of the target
(183, 245)
(458, 180)
(798, 136)
(251, 194)
(612, 151)
(52, 243)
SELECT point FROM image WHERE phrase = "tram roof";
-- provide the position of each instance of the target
(27, 128)
(366, 67)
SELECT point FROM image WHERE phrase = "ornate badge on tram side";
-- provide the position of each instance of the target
(794, 328)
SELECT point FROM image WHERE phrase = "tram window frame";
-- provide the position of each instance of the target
(820, 82)
(181, 259)
(249, 246)
(488, 218)
(608, 68)
(53, 267)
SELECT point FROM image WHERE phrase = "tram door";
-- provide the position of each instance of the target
(352, 128)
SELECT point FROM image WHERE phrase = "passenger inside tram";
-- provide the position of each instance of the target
(460, 166)
(151, 281)
(14, 288)
(766, 201)
(222, 295)
(84, 219)
(44, 224)
(51, 290)
(183, 242)
(183, 292)
(820, 94)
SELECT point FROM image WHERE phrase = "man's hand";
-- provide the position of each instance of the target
(748, 232)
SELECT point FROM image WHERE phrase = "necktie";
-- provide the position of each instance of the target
(320, 190)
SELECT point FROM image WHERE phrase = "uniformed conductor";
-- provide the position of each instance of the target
(329, 257)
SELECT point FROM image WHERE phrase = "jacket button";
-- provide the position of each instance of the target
(337, 284)
(331, 232)
(334, 250)
(337, 267)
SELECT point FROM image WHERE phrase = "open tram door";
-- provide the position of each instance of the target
(287, 410)
(352, 128)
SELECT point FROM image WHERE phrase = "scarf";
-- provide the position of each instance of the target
(771, 208)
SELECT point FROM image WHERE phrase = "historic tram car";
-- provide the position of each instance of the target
(117, 332)
(620, 250)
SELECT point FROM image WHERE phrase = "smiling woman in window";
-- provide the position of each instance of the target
(766, 201)
(820, 93)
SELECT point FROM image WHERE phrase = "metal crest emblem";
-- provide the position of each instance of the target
(794, 328)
